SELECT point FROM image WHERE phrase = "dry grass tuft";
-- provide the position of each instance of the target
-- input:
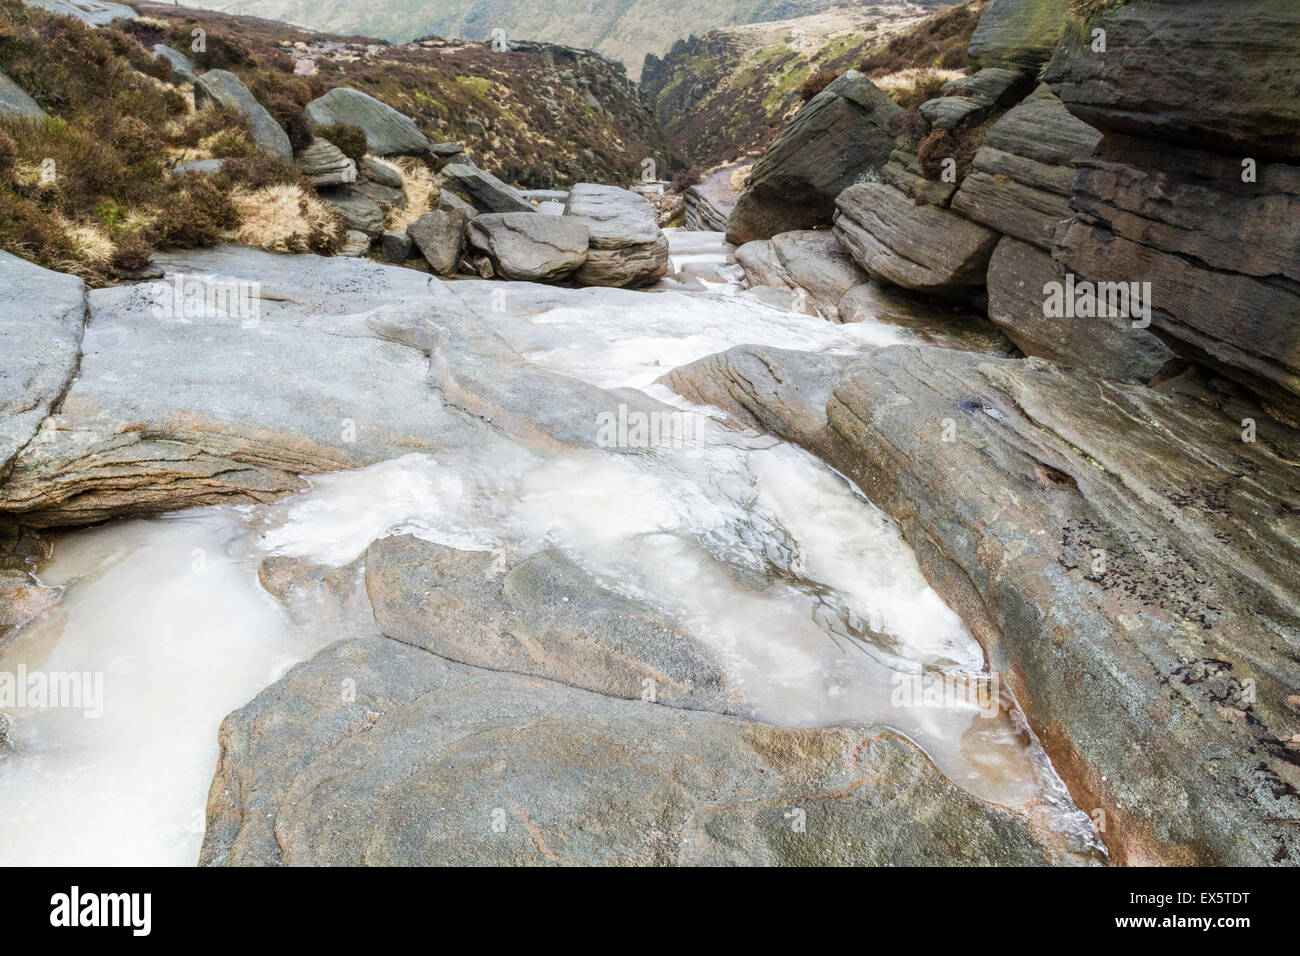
(915, 85)
(285, 218)
(422, 190)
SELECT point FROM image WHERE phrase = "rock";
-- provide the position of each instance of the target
(1019, 183)
(816, 262)
(1019, 34)
(1110, 347)
(545, 617)
(545, 195)
(40, 339)
(325, 165)
(356, 211)
(354, 244)
(1099, 539)
(207, 167)
(445, 153)
(385, 196)
(760, 265)
(1001, 86)
(840, 134)
(14, 101)
(439, 763)
(530, 248)
(96, 13)
(381, 173)
(1222, 257)
(1207, 75)
(388, 132)
(448, 201)
(917, 247)
(904, 171)
(395, 246)
(182, 66)
(627, 245)
(439, 237)
(949, 112)
(483, 190)
(233, 405)
(225, 89)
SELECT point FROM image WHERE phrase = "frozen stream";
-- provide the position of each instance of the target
(805, 591)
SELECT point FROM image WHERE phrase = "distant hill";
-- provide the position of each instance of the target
(623, 29)
(731, 91)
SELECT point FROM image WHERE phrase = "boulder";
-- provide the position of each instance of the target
(709, 202)
(904, 171)
(14, 100)
(380, 172)
(182, 65)
(1222, 256)
(1099, 538)
(388, 132)
(356, 211)
(325, 165)
(435, 762)
(759, 264)
(439, 237)
(917, 247)
(206, 167)
(1019, 34)
(446, 153)
(385, 196)
(395, 246)
(40, 338)
(528, 247)
(1020, 181)
(545, 617)
(949, 112)
(225, 89)
(814, 260)
(355, 244)
(226, 394)
(448, 201)
(840, 134)
(1109, 346)
(1205, 74)
(999, 85)
(483, 190)
(627, 247)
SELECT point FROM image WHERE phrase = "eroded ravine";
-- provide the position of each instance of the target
(806, 593)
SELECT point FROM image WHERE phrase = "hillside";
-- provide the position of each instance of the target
(624, 29)
(728, 93)
(539, 116)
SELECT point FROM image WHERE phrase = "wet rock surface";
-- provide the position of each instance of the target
(1121, 552)
(433, 762)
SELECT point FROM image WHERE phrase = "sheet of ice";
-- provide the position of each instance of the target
(806, 592)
